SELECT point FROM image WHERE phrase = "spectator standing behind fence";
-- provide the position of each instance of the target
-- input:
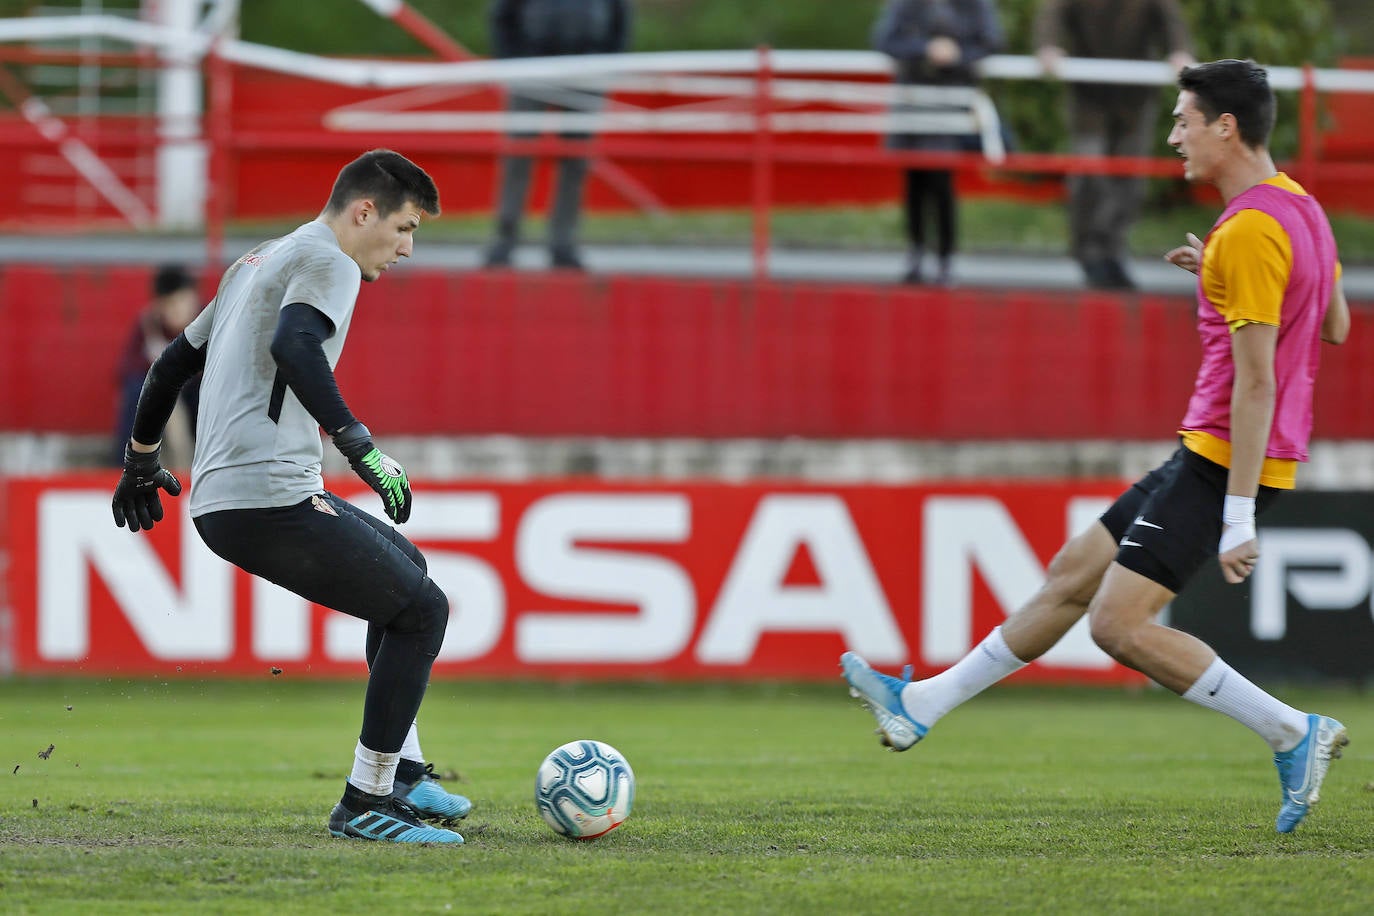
(174, 305)
(1109, 119)
(547, 28)
(934, 43)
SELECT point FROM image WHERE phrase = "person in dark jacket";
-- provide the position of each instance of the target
(548, 28)
(1107, 119)
(934, 43)
(174, 304)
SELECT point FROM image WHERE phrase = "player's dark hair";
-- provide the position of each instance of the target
(1236, 87)
(386, 178)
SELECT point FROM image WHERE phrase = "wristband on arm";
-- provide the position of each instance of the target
(1238, 521)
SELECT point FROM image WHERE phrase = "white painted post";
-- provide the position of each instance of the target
(181, 153)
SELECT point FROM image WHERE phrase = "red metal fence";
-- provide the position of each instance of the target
(273, 154)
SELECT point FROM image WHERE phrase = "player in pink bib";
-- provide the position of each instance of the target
(1269, 293)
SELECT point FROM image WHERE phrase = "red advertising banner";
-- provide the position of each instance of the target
(572, 578)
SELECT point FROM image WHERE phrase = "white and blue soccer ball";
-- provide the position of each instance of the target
(584, 789)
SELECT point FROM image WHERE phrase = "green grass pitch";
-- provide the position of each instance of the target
(191, 796)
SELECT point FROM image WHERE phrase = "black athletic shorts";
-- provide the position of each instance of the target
(325, 550)
(1169, 522)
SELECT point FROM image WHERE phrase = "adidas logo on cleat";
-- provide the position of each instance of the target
(393, 822)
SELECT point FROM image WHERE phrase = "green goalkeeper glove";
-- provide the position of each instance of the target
(380, 472)
(137, 503)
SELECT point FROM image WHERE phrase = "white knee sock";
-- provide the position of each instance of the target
(373, 771)
(410, 750)
(1223, 689)
(990, 661)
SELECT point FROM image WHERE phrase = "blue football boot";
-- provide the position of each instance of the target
(882, 694)
(430, 799)
(1302, 769)
(391, 822)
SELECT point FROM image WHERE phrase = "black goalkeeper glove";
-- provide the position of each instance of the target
(378, 471)
(137, 503)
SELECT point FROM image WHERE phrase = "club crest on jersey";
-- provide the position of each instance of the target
(322, 505)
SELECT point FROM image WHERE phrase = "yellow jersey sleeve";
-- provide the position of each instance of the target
(1245, 268)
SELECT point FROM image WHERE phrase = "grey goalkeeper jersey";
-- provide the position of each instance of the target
(256, 446)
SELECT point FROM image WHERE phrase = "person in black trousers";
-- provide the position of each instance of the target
(547, 28)
(934, 43)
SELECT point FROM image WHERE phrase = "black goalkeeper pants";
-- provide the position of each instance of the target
(331, 553)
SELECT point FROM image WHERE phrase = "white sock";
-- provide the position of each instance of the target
(989, 661)
(410, 750)
(1223, 689)
(373, 771)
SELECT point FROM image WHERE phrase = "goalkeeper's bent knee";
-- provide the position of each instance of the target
(426, 615)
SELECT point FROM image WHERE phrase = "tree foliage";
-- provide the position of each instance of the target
(1272, 32)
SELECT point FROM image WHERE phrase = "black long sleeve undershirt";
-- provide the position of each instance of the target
(298, 348)
(174, 367)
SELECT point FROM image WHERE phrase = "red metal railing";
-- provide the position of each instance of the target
(252, 143)
(766, 151)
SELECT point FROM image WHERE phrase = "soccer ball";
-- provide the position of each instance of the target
(584, 789)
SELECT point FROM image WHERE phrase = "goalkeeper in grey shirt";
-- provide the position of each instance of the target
(268, 344)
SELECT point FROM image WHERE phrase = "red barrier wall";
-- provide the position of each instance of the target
(544, 354)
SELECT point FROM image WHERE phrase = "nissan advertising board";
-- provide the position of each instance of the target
(700, 580)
